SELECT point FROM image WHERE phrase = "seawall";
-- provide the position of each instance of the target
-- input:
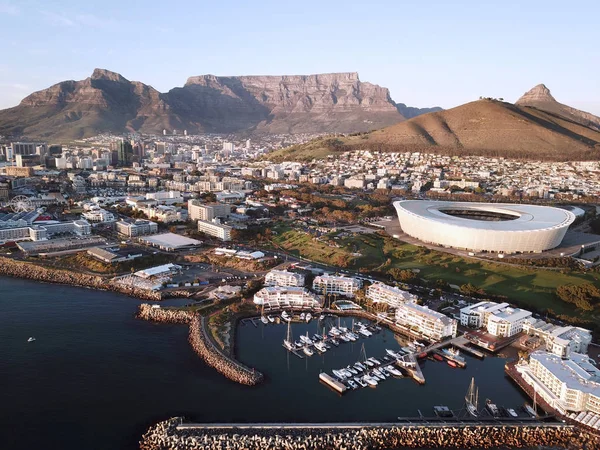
(30, 271)
(202, 343)
(167, 435)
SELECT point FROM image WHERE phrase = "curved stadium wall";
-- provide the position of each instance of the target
(501, 228)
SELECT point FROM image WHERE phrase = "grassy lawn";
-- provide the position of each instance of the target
(526, 287)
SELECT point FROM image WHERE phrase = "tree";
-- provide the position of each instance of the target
(403, 275)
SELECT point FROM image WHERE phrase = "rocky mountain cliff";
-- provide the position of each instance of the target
(540, 98)
(108, 102)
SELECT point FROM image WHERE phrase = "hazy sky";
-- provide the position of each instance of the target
(426, 52)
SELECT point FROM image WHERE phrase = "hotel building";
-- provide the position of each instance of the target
(284, 278)
(431, 324)
(392, 296)
(286, 297)
(331, 284)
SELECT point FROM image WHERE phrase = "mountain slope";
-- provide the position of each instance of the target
(107, 102)
(540, 98)
(483, 127)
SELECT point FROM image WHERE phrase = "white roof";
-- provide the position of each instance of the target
(577, 372)
(152, 271)
(527, 217)
(170, 240)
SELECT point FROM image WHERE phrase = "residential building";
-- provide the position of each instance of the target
(390, 295)
(332, 284)
(284, 278)
(215, 229)
(207, 211)
(286, 297)
(97, 214)
(431, 324)
(500, 319)
(137, 228)
(562, 341)
(567, 384)
(507, 322)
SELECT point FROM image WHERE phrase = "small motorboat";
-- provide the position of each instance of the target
(264, 320)
(307, 351)
(452, 363)
(271, 319)
(308, 317)
(31, 339)
(437, 357)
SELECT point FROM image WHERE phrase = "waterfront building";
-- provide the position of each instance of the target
(567, 384)
(207, 211)
(137, 228)
(507, 322)
(500, 319)
(560, 340)
(431, 324)
(286, 297)
(217, 230)
(284, 278)
(45, 231)
(333, 284)
(390, 295)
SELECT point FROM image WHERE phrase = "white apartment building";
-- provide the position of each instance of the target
(217, 230)
(431, 324)
(561, 341)
(354, 183)
(567, 384)
(390, 295)
(138, 228)
(97, 214)
(286, 297)
(207, 211)
(284, 278)
(165, 197)
(500, 319)
(507, 322)
(332, 284)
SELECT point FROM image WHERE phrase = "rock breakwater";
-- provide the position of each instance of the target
(205, 348)
(149, 312)
(31, 271)
(165, 435)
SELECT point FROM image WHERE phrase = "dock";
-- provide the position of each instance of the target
(460, 362)
(411, 365)
(332, 383)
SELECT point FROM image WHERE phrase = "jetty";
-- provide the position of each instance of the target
(174, 434)
(332, 383)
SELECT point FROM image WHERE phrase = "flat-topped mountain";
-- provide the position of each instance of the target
(108, 102)
(548, 130)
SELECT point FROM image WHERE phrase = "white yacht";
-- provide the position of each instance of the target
(307, 351)
(31, 339)
(308, 317)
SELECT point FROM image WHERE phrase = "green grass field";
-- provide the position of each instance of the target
(526, 287)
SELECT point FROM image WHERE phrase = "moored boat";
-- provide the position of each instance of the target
(437, 357)
(307, 351)
(452, 363)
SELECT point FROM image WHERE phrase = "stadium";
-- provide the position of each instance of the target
(484, 227)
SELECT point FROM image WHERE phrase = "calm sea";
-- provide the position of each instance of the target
(96, 378)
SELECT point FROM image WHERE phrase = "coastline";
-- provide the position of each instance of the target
(35, 272)
(202, 344)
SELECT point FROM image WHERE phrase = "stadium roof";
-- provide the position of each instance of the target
(526, 217)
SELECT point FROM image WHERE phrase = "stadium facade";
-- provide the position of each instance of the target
(492, 227)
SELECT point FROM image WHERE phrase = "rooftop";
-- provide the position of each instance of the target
(577, 372)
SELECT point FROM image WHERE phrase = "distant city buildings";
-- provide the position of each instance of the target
(138, 228)
(222, 232)
(207, 211)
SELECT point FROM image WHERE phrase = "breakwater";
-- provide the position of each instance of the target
(203, 345)
(19, 269)
(171, 435)
(149, 312)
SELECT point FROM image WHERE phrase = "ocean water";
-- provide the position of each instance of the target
(96, 377)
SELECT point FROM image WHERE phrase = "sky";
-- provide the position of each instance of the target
(428, 53)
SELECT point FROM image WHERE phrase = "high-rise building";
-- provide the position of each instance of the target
(124, 153)
(207, 211)
(28, 160)
(29, 148)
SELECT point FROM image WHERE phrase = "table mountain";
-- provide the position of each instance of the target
(108, 102)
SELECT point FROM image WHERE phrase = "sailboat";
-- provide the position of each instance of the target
(288, 342)
(263, 319)
(528, 409)
(472, 398)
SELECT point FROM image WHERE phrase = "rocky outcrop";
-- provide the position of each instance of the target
(540, 98)
(106, 101)
(165, 435)
(19, 269)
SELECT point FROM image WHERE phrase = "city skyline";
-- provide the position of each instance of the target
(443, 56)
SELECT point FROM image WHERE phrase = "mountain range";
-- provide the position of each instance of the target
(108, 102)
(535, 127)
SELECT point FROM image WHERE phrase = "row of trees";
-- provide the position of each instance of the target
(584, 296)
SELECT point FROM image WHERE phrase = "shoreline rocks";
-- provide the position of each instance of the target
(162, 315)
(203, 345)
(31, 271)
(165, 435)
